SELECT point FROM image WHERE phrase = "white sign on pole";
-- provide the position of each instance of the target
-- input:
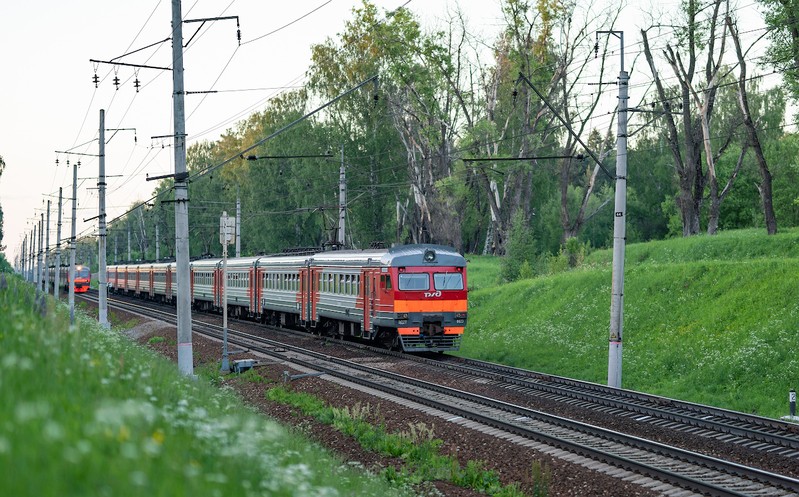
(227, 229)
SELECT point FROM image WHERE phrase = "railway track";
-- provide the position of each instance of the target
(755, 432)
(683, 469)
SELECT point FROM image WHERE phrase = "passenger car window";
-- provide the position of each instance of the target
(448, 281)
(414, 281)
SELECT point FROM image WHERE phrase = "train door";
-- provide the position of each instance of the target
(168, 287)
(306, 295)
(369, 295)
(217, 288)
(252, 289)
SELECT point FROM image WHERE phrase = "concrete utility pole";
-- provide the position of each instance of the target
(619, 230)
(38, 276)
(57, 272)
(47, 252)
(72, 244)
(342, 200)
(185, 354)
(32, 264)
(40, 255)
(225, 236)
(24, 257)
(129, 256)
(102, 287)
(31, 258)
(238, 224)
(33, 253)
(157, 244)
(115, 247)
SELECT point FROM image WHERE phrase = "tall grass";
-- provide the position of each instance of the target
(85, 412)
(706, 319)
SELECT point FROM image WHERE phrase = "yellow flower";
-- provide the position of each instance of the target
(124, 433)
(158, 436)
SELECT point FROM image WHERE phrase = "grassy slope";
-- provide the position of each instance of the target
(706, 319)
(85, 412)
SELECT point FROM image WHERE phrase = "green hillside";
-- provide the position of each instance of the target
(87, 412)
(706, 319)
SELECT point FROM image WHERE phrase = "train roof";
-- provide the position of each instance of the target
(401, 255)
(398, 256)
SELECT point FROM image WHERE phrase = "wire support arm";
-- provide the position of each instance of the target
(129, 65)
(568, 127)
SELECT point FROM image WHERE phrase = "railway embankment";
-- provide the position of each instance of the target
(87, 412)
(707, 319)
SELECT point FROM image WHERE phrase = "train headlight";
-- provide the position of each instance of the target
(402, 315)
(430, 255)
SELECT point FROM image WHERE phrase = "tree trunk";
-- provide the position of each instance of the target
(753, 138)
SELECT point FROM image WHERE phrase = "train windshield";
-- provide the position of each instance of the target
(82, 272)
(448, 281)
(414, 281)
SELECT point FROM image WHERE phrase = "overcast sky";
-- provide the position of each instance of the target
(49, 103)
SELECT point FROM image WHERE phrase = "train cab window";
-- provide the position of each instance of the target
(448, 281)
(385, 282)
(414, 281)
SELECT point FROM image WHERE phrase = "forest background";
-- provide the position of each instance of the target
(442, 147)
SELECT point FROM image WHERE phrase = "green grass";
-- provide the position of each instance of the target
(483, 271)
(416, 446)
(706, 319)
(84, 411)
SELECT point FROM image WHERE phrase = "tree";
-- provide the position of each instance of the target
(782, 19)
(753, 137)
(413, 111)
(687, 147)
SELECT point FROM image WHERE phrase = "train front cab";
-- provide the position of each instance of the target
(426, 292)
(83, 278)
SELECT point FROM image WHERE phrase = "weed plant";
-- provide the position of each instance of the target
(84, 411)
(706, 319)
(416, 446)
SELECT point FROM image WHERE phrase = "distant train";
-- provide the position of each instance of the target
(410, 297)
(83, 278)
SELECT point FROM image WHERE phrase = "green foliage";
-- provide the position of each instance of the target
(783, 53)
(416, 446)
(5, 267)
(252, 376)
(118, 419)
(708, 319)
(154, 340)
(520, 248)
(414, 126)
(483, 271)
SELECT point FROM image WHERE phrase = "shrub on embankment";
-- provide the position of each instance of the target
(84, 411)
(706, 319)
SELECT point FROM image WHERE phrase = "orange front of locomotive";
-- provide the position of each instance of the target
(429, 300)
(83, 279)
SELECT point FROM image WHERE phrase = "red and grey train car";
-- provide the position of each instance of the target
(83, 277)
(412, 297)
